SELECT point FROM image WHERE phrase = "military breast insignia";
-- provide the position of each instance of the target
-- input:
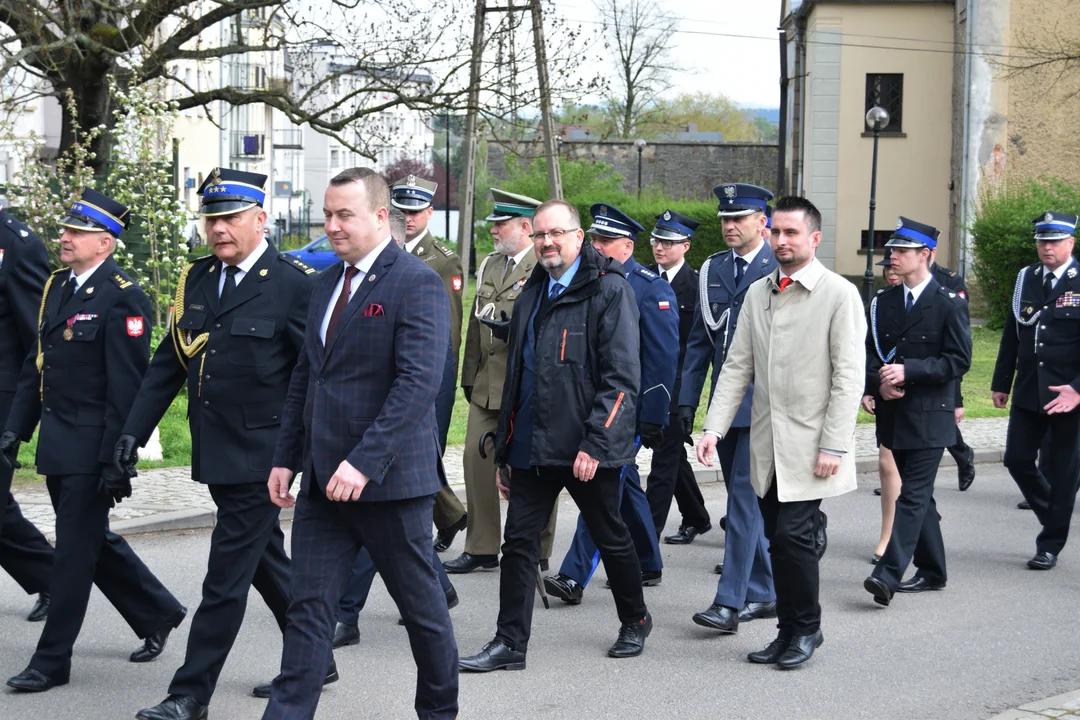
(89, 291)
(420, 250)
(1071, 273)
(1068, 300)
(68, 333)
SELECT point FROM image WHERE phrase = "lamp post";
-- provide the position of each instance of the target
(640, 145)
(877, 118)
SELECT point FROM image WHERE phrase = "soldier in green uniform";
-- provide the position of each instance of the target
(413, 196)
(499, 280)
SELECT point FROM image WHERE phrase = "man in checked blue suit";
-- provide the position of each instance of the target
(613, 234)
(360, 420)
(745, 589)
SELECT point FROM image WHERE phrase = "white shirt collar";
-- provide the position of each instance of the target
(917, 290)
(795, 275)
(364, 264)
(1061, 270)
(749, 257)
(673, 271)
(82, 277)
(247, 263)
(521, 255)
(411, 244)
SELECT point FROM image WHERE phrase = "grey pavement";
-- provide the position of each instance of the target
(998, 637)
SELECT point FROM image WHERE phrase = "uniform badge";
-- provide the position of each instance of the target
(371, 277)
(89, 291)
(262, 273)
(729, 192)
(1048, 217)
(420, 250)
(962, 294)
(664, 305)
(1, 257)
(1028, 310)
(456, 283)
(24, 233)
(764, 261)
(952, 295)
(715, 308)
(1071, 273)
(899, 224)
(520, 283)
(68, 333)
(213, 267)
(135, 326)
(667, 215)
(411, 180)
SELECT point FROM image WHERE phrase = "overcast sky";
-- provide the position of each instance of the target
(746, 69)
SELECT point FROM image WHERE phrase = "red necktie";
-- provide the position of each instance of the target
(342, 301)
(784, 283)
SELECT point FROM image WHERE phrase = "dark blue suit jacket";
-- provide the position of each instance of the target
(658, 311)
(369, 397)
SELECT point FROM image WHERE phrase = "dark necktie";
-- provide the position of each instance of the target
(509, 267)
(910, 301)
(556, 290)
(740, 269)
(229, 285)
(70, 287)
(663, 274)
(1048, 285)
(342, 301)
(785, 283)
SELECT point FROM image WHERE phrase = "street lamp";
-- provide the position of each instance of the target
(877, 118)
(640, 145)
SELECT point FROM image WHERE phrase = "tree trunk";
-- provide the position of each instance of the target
(89, 85)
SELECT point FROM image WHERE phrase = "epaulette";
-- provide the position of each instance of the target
(61, 270)
(890, 287)
(442, 248)
(296, 263)
(952, 295)
(719, 253)
(646, 273)
(121, 282)
(954, 273)
(22, 233)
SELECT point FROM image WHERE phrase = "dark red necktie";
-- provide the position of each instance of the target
(342, 301)
(784, 283)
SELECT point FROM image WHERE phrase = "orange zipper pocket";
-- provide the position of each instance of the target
(562, 347)
(611, 417)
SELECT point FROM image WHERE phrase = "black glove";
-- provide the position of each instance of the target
(9, 449)
(114, 484)
(467, 389)
(686, 419)
(650, 434)
(126, 455)
(499, 328)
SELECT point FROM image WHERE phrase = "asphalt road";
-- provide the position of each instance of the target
(998, 636)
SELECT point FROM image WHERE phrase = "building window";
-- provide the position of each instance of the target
(880, 238)
(888, 92)
(334, 159)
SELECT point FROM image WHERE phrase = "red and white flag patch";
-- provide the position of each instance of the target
(665, 305)
(456, 282)
(135, 326)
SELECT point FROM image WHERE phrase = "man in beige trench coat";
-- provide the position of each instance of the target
(800, 339)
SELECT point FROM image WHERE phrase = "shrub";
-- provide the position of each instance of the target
(1002, 235)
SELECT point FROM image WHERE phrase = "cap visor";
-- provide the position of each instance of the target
(903, 242)
(738, 212)
(410, 204)
(1054, 235)
(230, 207)
(78, 223)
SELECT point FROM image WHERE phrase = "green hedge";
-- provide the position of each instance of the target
(1002, 235)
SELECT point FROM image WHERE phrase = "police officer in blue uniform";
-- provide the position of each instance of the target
(1039, 362)
(92, 349)
(613, 234)
(745, 590)
(671, 476)
(918, 346)
(24, 266)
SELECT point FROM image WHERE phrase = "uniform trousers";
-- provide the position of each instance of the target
(448, 509)
(484, 533)
(87, 553)
(672, 476)
(959, 450)
(1051, 486)
(916, 532)
(25, 554)
(533, 492)
(361, 577)
(791, 528)
(247, 549)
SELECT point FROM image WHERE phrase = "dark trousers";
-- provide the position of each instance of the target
(791, 528)
(672, 476)
(916, 532)
(959, 451)
(326, 537)
(247, 549)
(87, 553)
(362, 575)
(25, 554)
(1051, 486)
(533, 493)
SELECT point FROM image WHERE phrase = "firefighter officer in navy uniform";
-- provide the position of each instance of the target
(918, 346)
(745, 590)
(1039, 361)
(613, 234)
(24, 266)
(413, 196)
(237, 329)
(81, 378)
(671, 475)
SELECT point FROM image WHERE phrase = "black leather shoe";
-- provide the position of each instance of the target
(882, 593)
(821, 541)
(155, 644)
(41, 608)
(445, 538)
(719, 617)
(30, 680)
(918, 584)
(772, 651)
(1043, 561)
(496, 655)
(345, 634)
(467, 562)
(263, 690)
(965, 471)
(877, 491)
(631, 639)
(723, 523)
(800, 650)
(1023, 505)
(686, 534)
(757, 611)
(565, 588)
(719, 569)
(174, 707)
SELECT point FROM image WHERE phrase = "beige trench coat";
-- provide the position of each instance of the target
(804, 350)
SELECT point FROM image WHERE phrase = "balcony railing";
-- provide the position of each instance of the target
(247, 76)
(288, 139)
(244, 144)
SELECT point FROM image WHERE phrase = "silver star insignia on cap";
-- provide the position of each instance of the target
(1049, 217)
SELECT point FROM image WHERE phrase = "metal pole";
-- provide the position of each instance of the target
(639, 172)
(547, 119)
(466, 185)
(446, 178)
(868, 276)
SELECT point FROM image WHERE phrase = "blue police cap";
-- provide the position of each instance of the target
(611, 222)
(98, 213)
(1054, 226)
(672, 226)
(737, 199)
(412, 194)
(227, 191)
(911, 234)
(768, 216)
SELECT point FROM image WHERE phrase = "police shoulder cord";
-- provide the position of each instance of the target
(488, 311)
(39, 361)
(873, 331)
(713, 324)
(1016, 308)
(186, 347)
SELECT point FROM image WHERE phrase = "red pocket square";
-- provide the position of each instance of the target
(373, 310)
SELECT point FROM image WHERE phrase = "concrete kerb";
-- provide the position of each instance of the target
(1066, 705)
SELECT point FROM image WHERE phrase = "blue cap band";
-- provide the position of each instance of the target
(235, 189)
(1055, 227)
(93, 212)
(910, 234)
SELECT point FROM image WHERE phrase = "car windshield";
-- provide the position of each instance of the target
(321, 245)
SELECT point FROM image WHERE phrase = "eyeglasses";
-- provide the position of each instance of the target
(666, 244)
(540, 236)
